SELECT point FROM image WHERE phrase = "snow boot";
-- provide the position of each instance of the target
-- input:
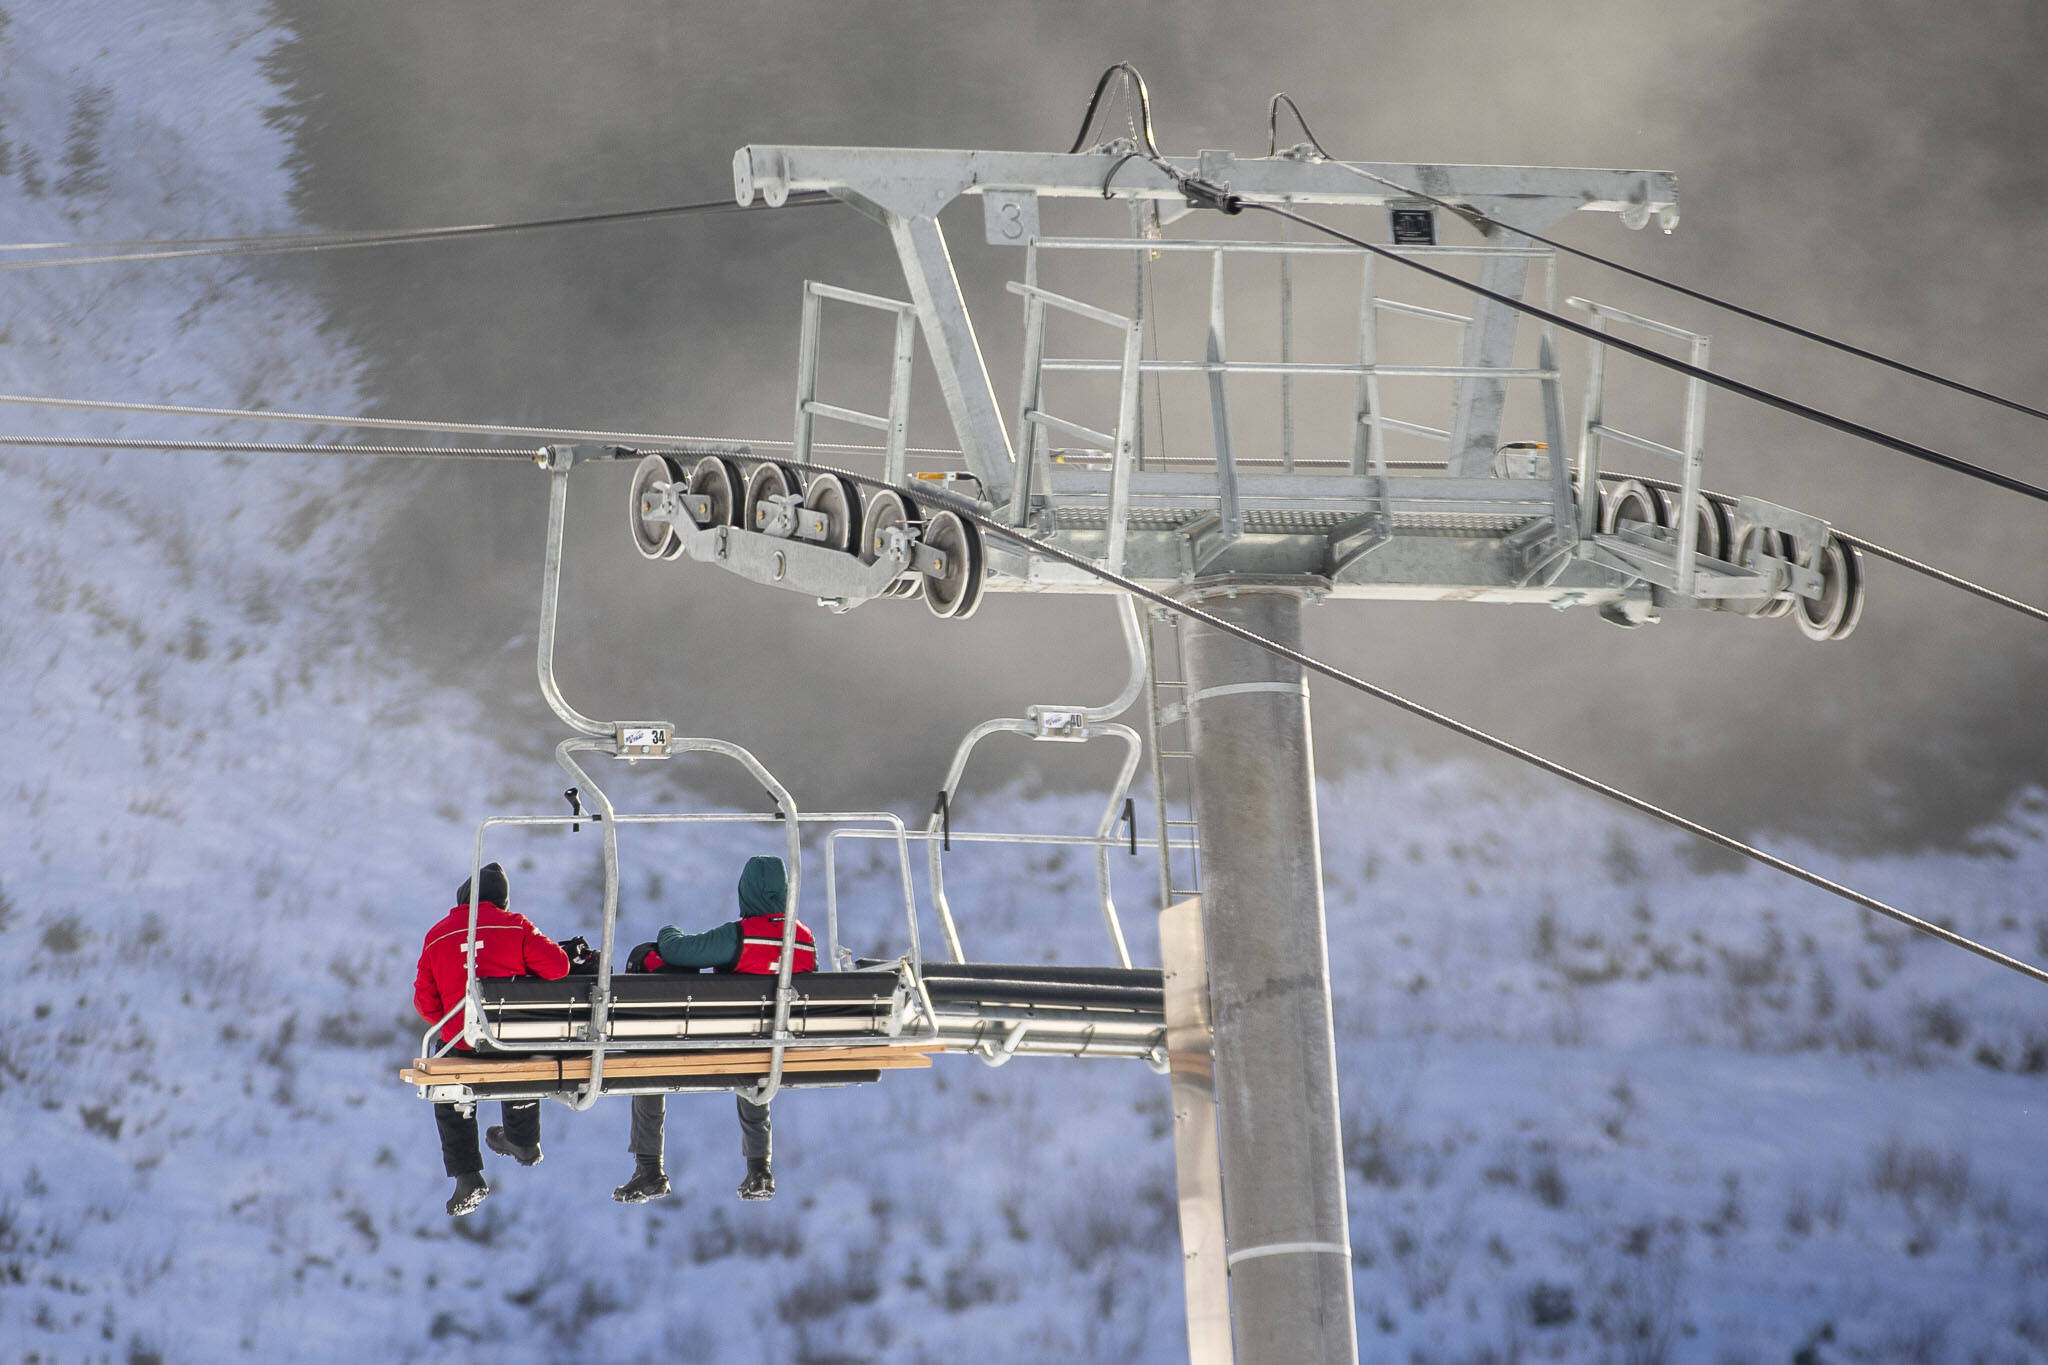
(495, 1139)
(470, 1190)
(648, 1182)
(760, 1181)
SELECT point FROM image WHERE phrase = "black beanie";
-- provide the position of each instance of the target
(492, 888)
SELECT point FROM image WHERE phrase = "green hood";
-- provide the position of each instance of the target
(764, 887)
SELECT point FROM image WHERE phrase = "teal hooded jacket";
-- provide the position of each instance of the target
(764, 890)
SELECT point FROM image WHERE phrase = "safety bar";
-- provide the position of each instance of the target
(894, 829)
(1106, 843)
(1112, 811)
(1088, 723)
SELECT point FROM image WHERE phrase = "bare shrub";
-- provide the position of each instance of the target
(1543, 934)
(1924, 1338)
(1798, 1212)
(1730, 1215)
(1550, 1305)
(970, 1285)
(1940, 1023)
(1105, 1222)
(1621, 861)
(1858, 1032)
(63, 934)
(1615, 1124)
(821, 1293)
(1820, 990)
(1645, 1301)
(1928, 1182)
(1377, 1149)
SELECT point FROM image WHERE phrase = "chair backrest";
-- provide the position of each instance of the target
(526, 1011)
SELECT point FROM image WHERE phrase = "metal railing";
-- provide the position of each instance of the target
(1688, 454)
(895, 426)
(1366, 370)
(1033, 421)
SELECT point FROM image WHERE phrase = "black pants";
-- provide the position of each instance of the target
(649, 1114)
(460, 1154)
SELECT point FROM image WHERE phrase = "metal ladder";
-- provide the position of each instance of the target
(1172, 757)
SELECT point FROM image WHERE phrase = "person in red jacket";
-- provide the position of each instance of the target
(506, 945)
(751, 944)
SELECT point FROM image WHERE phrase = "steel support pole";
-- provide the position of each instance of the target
(1269, 986)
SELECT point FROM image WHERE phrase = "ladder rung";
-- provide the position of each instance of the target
(1174, 753)
(1180, 824)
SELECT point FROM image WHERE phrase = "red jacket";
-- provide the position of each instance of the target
(507, 945)
(761, 946)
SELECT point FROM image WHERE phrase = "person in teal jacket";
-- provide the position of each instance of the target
(751, 944)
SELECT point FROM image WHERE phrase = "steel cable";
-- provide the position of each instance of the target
(172, 249)
(1721, 381)
(263, 447)
(400, 424)
(1904, 561)
(1476, 217)
(1306, 661)
(636, 438)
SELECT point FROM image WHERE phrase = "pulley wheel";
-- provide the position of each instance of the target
(1749, 547)
(1629, 500)
(1664, 504)
(653, 539)
(887, 509)
(957, 591)
(1819, 616)
(1714, 532)
(768, 480)
(1852, 561)
(838, 500)
(718, 479)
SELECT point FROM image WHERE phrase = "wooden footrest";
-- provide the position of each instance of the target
(498, 1069)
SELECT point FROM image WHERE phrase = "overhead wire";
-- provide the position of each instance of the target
(171, 249)
(736, 444)
(1904, 561)
(1031, 545)
(1024, 539)
(399, 424)
(264, 447)
(1478, 217)
(640, 438)
(316, 242)
(1754, 393)
(1203, 194)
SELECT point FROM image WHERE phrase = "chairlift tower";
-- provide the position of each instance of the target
(1252, 529)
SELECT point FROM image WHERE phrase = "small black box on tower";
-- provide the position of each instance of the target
(1413, 226)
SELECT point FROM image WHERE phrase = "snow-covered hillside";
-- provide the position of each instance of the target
(1604, 1099)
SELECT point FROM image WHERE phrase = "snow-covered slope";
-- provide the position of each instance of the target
(1603, 1100)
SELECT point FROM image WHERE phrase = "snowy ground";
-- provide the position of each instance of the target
(1605, 1099)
